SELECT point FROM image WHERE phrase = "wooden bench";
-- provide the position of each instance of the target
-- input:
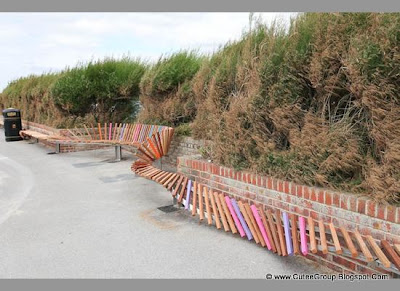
(151, 141)
(280, 232)
(38, 136)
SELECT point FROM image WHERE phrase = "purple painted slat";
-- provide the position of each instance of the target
(303, 237)
(109, 131)
(288, 235)
(189, 190)
(241, 218)
(235, 218)
(122, 131)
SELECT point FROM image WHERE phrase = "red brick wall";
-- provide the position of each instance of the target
(342, 209)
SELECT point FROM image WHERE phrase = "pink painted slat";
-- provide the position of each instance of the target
(260, 225)
(303, 237)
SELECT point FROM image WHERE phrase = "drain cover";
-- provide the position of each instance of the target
(168, 208)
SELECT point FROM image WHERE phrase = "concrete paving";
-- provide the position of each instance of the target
(76, 215)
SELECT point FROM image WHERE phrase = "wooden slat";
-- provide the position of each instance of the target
(363, 247)
(295, 239)
(378, 252)
(161, 177)
(177, 186)
(153, 173)
(142, 168)
(303, 236)
(335, 238)
(119, 131)
(260, 226)
(109, 131)
(183, 188)
(174, 176)
(208, 209)
(132, 133)
(221, 212)
(173, 182)
(280, 233)
(116, 126)
(93, 131)
(70, 131)
(274, 232)
(166, 178)
(267, 228)
(164, 138)
(146, 153)
(160, 145)
(87, 131)
(349, 242)
(288, 235)
(215, 210)
(161, 174)
(194, 206)
(397, 248)
(391, 253)
(322, 237)
(253, 221)
(154, 148)
(227, 213)
(147, 171)
(171, 133)
(155, 141)
(201, 206)
(149, 151)
(188, 194)
(248, 221)
(311, 231)
(100, 134)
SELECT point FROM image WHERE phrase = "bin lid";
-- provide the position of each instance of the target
(10, 110)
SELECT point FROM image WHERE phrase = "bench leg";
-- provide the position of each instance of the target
(118, 153)
(58, 147)
(175, 202)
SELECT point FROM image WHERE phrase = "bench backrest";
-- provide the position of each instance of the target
(153, 141)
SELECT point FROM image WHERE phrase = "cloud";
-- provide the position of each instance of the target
(33, 43)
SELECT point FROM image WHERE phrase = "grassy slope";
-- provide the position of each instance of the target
(317, 104)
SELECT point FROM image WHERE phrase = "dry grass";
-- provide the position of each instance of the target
(316, 104)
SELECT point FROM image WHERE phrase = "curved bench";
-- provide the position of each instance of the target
(118, 133)
(151, 141)
(280, 232)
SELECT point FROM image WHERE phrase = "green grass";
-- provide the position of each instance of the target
(170, 72)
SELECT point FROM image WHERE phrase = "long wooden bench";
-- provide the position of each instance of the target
(151, 141)
(280, 232)
(115, 133)
(38, 136)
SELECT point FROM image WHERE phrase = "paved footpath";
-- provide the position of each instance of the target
(77, 215)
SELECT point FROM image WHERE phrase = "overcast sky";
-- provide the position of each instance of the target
(33, 43)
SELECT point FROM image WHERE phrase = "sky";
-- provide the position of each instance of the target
(35, 43)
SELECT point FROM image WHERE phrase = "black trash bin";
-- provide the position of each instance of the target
(12, 124)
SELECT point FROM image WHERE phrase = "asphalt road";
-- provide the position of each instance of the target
(76, 215)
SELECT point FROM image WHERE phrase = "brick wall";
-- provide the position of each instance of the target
(181, 146)
(342, 209)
